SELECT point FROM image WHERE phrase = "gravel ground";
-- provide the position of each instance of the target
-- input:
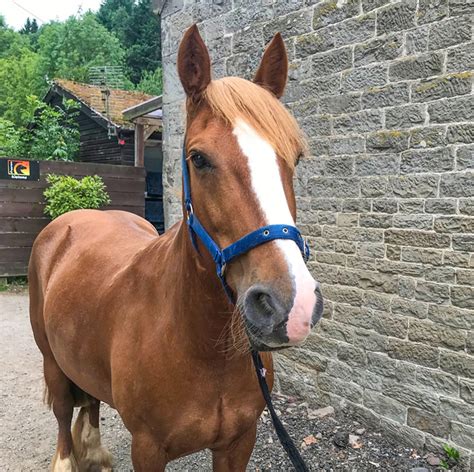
(28, 429)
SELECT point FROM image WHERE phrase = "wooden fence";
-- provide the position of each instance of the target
(22, 204)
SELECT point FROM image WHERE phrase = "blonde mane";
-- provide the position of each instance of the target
(232, 98)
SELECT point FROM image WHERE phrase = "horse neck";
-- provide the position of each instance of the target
(205, 314)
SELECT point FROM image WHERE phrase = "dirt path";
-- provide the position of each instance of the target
(28, 428)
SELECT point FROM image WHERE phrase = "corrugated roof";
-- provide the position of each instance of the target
(91, 96)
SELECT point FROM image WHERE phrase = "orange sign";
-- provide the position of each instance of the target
(18, 167)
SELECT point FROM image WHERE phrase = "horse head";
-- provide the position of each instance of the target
(241, 150)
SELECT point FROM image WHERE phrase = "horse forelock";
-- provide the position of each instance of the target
(233, 99)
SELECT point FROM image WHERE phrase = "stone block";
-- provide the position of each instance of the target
(457, 363)
(385, 205)
(409, 308)
(453, 109)
(463, 133)
(431, 292)
(293, 24)
(374, 186)
(411, 396)
(446, 206)
(359, 122)
(413, 221)
(416, 67)
(345, 389)
(431, 10)
(460, 58)
(364, 78)
(356, 205)
(427, 137)
(465, 157)
(462, 296)
(342, 145)
(416, 353)
(466, 388)
(331, 12)
(428, 422)
(321, 187)
(421, 255)
(351, 355)
(457, 184)
(385, 406)
(443, 275)
(337, 331)
(342, 103)
(393, 252)
(396, 17)
(378, 164)
(346, 247)
(436, 335)
(437, 381)
(465, 277)
(378, 49)
(332, 61)
(416, 41)
(403, 237)
(463, 242)
(450, 32)
(428, 160)
(454, 224)
(387, 141)
(457, 410)
(248, 40)
(387, 96)
(442, 87)
(451, 316)
(406, 287)
(376, 220)
(462, 434)
(405, 116)
(410, 437)
(466, 206)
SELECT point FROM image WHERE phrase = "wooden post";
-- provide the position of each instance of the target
(139, 145)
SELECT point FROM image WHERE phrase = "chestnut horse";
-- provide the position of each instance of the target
(142, 322)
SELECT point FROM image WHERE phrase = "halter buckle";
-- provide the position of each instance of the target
(189, 210)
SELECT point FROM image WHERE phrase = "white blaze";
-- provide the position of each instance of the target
(268, 188)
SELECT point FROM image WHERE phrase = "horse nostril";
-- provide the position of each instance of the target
(264, 301)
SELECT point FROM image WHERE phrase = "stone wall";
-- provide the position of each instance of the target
(384, 91)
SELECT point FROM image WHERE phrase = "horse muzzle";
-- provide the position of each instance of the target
(274, 323)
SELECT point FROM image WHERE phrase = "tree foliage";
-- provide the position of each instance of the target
(65, 193)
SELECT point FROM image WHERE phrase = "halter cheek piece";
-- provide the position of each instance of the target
(222, 257)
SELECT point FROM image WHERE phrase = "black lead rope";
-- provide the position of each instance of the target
(282, 433)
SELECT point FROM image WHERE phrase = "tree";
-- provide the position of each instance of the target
(152, 82)
(69, 49)
(30, 27)
(138, 30)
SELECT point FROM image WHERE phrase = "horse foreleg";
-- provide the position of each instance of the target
(62, 402)
(236, 456)
(146, 454)
(89, 452)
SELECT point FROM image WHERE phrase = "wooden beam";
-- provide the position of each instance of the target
(142, 108)
(148, 121)
(149, 130)
(139, 145)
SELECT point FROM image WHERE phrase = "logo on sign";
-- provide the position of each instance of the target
(18, 169)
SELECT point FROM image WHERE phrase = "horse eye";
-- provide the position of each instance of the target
(199, 161)
(298, 158)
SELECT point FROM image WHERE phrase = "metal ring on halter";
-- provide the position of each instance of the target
(189, 209)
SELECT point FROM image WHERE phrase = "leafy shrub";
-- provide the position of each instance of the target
(65, 193)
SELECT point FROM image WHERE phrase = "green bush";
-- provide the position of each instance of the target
(65, 193)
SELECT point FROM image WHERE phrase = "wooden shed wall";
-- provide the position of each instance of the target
(22, 205)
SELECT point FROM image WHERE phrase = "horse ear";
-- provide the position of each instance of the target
(194, 64)
(273, 70)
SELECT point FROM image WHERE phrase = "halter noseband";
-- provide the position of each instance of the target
(222, 257)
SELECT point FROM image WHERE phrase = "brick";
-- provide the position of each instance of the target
(417, 67)
(379, 164)
(445, 206)
(450, 32)
(413, 221)
(436, 160)
(460, 58)
(454, 224)
(397, 17)
(416, 41)
(422, 255)
(457, 364)
(453, 109)
(330, 12)
(435, 335)
(387, 96)
(403, 237)
(379, 49)
(360, 122)
(290, 25)
(462, 434)
(437, 381)
(457, 184)
(391, 141)
(416, 353)
(427, 137)
(431, 10)
(466, 206)
(384, 406)
(465, 158)
(332, 61)
(405, 116)
(442, 87)
(462, 296)
(409, 308)
(467, 390)
(342, 103)
(457, 410)
(411, 396)
(463, 133)
(428, 422)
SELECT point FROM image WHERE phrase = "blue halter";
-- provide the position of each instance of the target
(222, 257)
